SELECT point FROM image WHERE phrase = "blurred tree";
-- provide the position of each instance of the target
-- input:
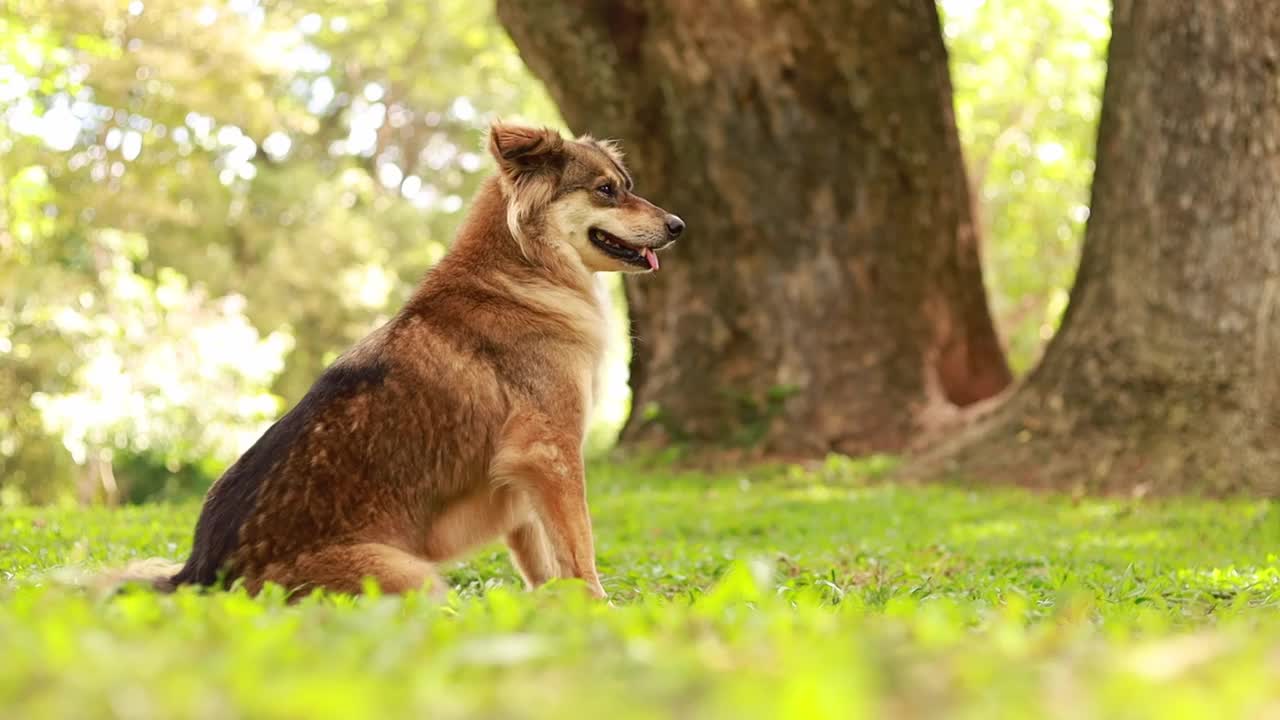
(828, 295)
(1164, 375)
(171, 168)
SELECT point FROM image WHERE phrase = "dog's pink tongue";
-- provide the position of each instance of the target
(651, 257)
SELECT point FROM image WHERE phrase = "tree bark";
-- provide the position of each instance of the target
(828, 294)
(1165, 375)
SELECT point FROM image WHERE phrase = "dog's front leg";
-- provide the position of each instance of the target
(531, 553)
(548, 468)
(558, 493)
(564, 514)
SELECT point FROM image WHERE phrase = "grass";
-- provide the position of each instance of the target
(782, 593)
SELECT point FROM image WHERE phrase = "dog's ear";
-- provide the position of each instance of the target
(520, 150)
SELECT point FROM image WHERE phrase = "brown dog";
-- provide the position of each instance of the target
(462, 419)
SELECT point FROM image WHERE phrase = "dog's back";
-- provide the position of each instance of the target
(394, 431)
(234, 496)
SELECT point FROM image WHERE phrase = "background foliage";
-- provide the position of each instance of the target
(1028, 87)
(203, 204)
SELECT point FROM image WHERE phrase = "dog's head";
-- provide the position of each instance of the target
(576, 197)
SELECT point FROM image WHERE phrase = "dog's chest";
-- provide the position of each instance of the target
(580, 367)
(564, 362)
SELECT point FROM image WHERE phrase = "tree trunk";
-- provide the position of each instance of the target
(1165, 375)
(828, 294)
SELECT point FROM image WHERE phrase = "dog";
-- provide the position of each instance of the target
(461, 420)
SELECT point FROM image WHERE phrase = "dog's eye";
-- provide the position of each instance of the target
(605, 190)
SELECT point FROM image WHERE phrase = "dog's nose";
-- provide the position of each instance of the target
(675, 226)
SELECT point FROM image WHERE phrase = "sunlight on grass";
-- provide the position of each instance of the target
(807, 594)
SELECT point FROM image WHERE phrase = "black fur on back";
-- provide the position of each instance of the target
(232, 498)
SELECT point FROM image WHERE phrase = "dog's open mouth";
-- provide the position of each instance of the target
(613, 247)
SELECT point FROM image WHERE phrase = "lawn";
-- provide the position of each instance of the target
(821, 593)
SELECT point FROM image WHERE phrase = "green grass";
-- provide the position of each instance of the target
(776, 594)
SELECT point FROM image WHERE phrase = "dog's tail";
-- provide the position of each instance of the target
(155, 574)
